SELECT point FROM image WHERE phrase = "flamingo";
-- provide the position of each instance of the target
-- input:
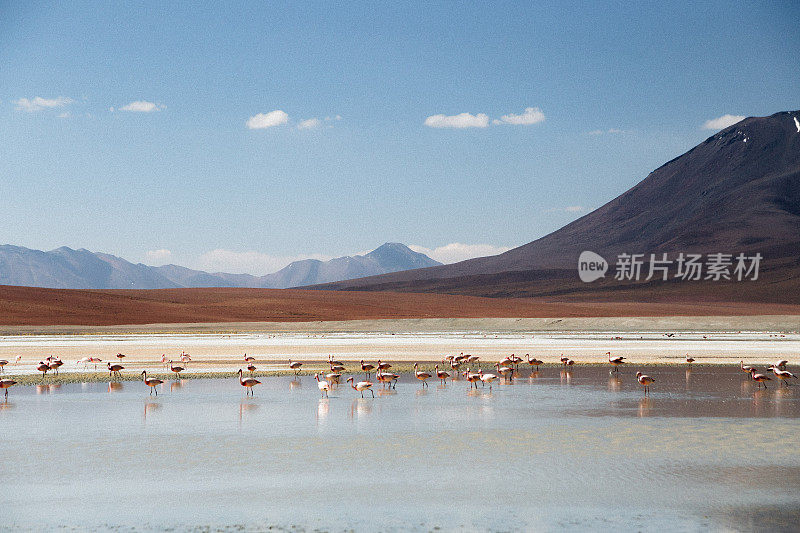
(164, 360)
(55, 364)
(361, 386)
(569, 362)
(323, 386)
(454, 364)
(759, 378)
(176, 369)
(333, 378)
(383, 366)
(689, 360)
(506, 361)
(367, 368)
(506, 372)
(781, 365)
(387, 377)
(251, 359)
(115, 369)
(43, 368)
(84, 360)
(251, 368)
(645, 380)
(7, 384)
(473, 378)
(185, 359)
(294, 365)
(120, 357)
(95, 360)
(615, 361)
(3, 364)
(332, 362)
(249, 383)
(534, 362)
(442, 375)
(746, 368)
(422, 376)
(487, 378)
(515, 360)
(783, 375)
(151, 382)
(473, 359)
(17, 359)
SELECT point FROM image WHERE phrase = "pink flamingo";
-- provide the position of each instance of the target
(7, 384)
(422, 376)
(248, 383)
(151, 382)
(645, 380)
(761, 379)
(361, 386)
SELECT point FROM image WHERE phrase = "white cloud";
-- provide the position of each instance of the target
(159, 257)
(532, 115)
(464, 120)
(255, 263)
(141, 106)
(262, 121)
(722, 122)
(309, 124)
(568, 209)
(38, 103)
(337, 117)
(456, 251)
(65, 114)
(610, 131)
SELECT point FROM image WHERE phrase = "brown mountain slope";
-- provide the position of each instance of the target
(738, 191)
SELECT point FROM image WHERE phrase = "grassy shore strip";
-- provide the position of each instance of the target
(397, 368)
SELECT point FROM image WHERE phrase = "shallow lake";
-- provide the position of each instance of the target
(577, 450)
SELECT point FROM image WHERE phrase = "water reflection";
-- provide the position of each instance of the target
(421, 392)
(149, 407)
(360, 407)
(175, 385)
(295, 384)
(614, 382)
(244, 407)
(323, 409)
(115, 386)
(566, 377)
(386, 392)
(645, 406)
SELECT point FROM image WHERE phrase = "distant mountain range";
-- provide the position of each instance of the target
(65, 268)
(736, 192)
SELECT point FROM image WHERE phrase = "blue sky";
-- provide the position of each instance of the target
(125, 127)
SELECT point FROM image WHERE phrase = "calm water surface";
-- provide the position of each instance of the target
(576, 451)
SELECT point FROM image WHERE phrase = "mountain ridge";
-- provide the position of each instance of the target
(67, 268)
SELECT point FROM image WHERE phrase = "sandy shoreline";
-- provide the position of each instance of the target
(710, 340)
(761, 323)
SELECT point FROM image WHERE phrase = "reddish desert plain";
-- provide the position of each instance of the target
(31, 306)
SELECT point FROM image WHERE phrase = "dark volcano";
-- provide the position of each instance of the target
(737, 192)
